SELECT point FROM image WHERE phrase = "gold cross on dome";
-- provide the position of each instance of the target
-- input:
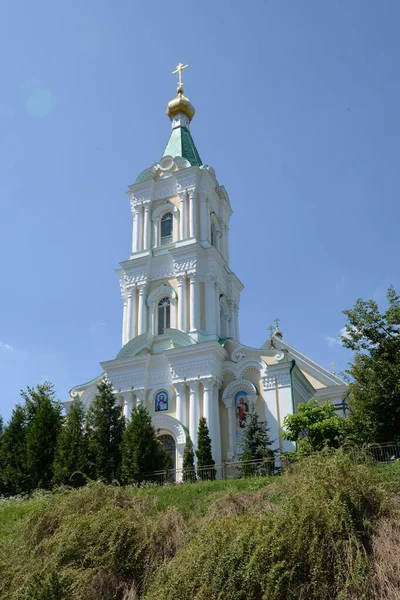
(277, 323)
(271, 330)
(179, 70)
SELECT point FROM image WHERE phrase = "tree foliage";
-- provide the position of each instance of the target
(13, 464)
(105, 426)
(254, 437)
(204, 451)
(189, 472)
(374, 398)
(44, 422)
(314, 427)
(141, 451)
(71, 462)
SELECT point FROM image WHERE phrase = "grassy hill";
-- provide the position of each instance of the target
(328, 530)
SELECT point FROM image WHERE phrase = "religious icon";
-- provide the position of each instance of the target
(161, 401)
(242, 408)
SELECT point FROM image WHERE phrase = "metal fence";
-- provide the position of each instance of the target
(227, 470)
(238, 469)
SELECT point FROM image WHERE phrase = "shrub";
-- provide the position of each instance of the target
(314, 545)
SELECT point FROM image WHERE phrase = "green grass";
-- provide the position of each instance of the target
(193, 500)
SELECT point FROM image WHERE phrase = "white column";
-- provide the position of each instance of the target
(142, 310)
(173, 313)
(135, 243)
(208, 392)
(194, 303)
(127, 406)
(192, 213)
(193, 411)
(133, 329)
(211, 323)
(181, 302)
(232, 322)
(237, 322)
(129, 316)
(140, 217)
(124, 318)
(218, 311)
(226, 238)
(175, 225)
(182, 215)
(216, 445)
(180, 389)
(155, 234)
(146, 226)
(204, 218)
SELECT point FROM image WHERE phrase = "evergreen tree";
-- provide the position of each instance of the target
(141, 451)
(1, 427)
(71, 462)
(105, 427)
(44, 426)
(204, 452)
(13, 467)
(189, 471)
(254, 438)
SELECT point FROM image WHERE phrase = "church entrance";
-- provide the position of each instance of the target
(168, 443)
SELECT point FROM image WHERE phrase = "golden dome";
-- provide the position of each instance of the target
(180, 104)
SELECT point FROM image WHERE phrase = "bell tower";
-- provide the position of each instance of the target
(178, 276)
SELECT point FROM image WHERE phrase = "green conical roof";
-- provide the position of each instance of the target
(181, 143)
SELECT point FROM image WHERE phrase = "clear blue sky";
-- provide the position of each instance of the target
(298, 107)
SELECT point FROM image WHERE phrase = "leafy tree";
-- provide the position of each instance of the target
(43, 428)
(71, 462)
(189, 472)
(204, 452)
(1, 426)
(374, 399)
(141, 451)
(13, 467)
(105, 426)
(314, 427)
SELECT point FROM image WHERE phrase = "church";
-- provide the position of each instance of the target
(181, 354)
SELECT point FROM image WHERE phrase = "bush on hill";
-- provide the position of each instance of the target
(315, 533)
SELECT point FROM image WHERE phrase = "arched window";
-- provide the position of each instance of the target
(166, 229)
(164, 315)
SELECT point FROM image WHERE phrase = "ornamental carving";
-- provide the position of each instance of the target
(165, 191)
(191, 370)
(283, 380)
(135, 278)
(186, 182)
(186, 265)
(161, 273)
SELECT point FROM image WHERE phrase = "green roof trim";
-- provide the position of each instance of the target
(181, 143)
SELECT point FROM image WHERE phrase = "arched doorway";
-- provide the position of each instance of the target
(169, 445)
